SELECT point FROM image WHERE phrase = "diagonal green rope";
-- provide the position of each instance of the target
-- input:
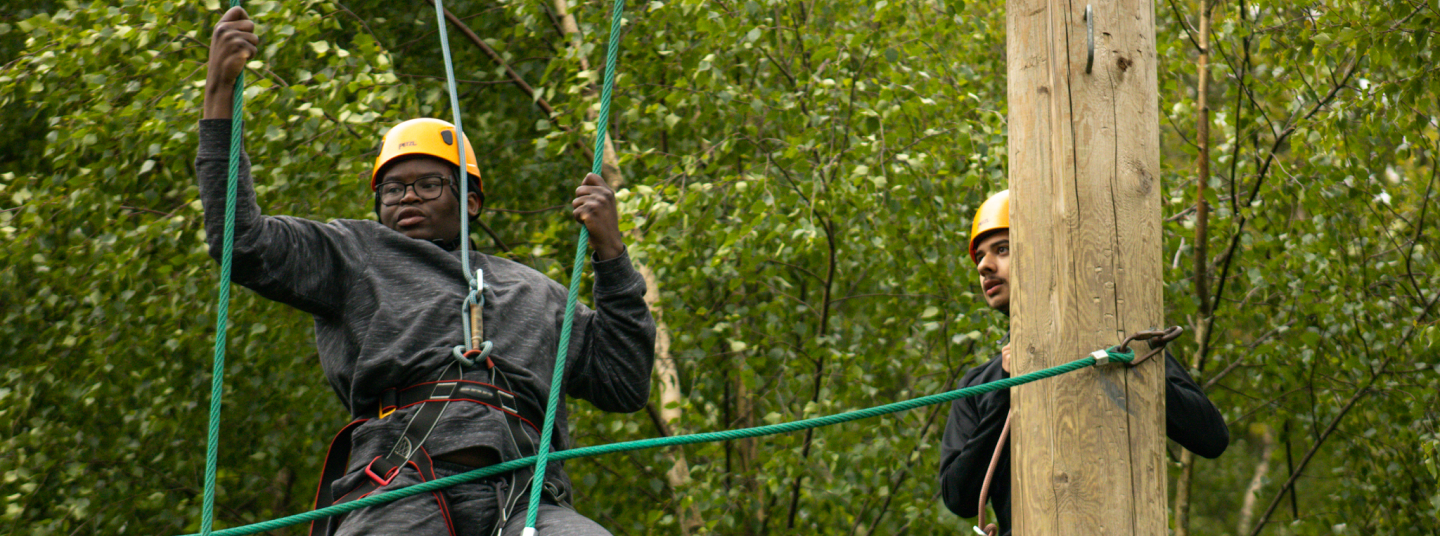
(222, 314)
(725, 435)
(602, 121)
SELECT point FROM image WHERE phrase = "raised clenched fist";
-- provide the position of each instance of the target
(232, 44)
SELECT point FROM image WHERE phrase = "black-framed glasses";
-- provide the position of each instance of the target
(427, 188)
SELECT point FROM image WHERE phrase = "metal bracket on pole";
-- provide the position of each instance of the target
(1089, 38)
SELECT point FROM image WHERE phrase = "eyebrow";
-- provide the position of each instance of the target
(396, 178)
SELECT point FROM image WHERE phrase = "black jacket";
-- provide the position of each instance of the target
(975, 423)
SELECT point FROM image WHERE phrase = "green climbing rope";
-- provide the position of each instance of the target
(726, 435)
(222, 314)
(601, 122)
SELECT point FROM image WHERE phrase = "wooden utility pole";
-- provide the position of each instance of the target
(1088, 451)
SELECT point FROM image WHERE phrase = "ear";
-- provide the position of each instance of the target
(473, 204)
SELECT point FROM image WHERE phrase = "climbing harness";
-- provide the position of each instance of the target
(1157, 339)
(432, 399)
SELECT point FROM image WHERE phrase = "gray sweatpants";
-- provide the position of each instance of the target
(474, 510)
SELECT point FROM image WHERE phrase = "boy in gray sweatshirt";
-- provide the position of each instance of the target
(387, 301)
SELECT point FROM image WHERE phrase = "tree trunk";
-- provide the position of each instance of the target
(1182, 493)
(1252, 492)
(1202, 260)
(669, 382)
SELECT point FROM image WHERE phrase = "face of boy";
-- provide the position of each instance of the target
(994, 266)
(434, 219)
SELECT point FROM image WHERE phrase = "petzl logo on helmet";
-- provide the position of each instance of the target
(405, 144)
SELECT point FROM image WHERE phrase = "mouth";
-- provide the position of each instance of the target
(409, 217)
(992, 287)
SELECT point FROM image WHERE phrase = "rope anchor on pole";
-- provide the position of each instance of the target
(1156, 338)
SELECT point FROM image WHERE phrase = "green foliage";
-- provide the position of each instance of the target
(799, 177)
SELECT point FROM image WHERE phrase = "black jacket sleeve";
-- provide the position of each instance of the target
(290, 260)
(971, 433)
(1190, 419)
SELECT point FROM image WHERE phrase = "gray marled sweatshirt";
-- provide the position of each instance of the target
(387, 312)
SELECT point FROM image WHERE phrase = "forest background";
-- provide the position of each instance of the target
(797, 180)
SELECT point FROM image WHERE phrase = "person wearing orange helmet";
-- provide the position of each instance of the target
(387, 300)
(976, 424)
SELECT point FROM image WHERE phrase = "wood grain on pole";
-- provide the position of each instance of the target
(1088, 451)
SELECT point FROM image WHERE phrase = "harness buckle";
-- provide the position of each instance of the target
(377, 479)
(507, 402)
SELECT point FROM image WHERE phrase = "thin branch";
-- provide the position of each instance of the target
(1189, 32)
(498, 242)
(819, 376)
(152, 211)
(1231, 251)
(890, 295)
(514, 77)
(1330, 429)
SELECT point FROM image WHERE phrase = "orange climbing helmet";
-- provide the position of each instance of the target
(994, 215)
(429, 137)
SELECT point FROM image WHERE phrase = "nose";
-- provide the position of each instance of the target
(412, 195)
(986, 266)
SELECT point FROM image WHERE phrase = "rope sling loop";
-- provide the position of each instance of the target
(1112, 354)
(222, 312)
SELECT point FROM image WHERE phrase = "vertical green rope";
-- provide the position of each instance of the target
(222, 313)
(601, 124)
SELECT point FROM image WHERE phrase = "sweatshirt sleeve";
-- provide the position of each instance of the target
(1190, 419)
(290, 260)
(971, 432)
(617, 351)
